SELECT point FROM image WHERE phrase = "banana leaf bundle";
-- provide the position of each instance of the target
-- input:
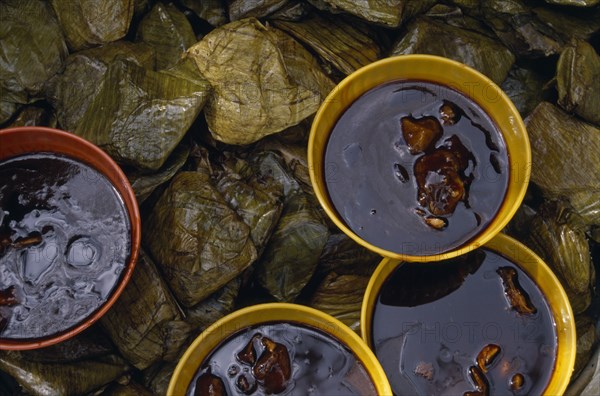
(292, 11)
(390, 13)
(78, 376)
(33, 50)
(256, 202)
(240, 9)
(144, 183)
(75, 87)
(214, 307)
(212, 11)
(129, 389)
(292, 254)
(556, 136)
(345, 257)
(167, 30)
(558, 236)
(139, 116)
(198, 241)
(341, 296)
(335, 40)
(581, 26)
(578, 81)
(519, 28)
(263, 81)
(146, 323)
(576, 3)
(428, 35)
(586, 341)
(87, 23)
(525, 88)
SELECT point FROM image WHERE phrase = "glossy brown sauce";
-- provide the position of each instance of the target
(64, 241)
(281, 358)
(473, 324)
(416, 168)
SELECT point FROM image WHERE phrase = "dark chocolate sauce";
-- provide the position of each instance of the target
(455, 328)
(416, 168)
(64, 241)
(318, 364)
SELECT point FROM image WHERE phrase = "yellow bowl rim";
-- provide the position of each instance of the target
(479, 239)
(277, 312)
(546, 280)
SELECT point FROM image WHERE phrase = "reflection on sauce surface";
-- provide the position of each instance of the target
(281, 358)
(456, 328)
(416, 168)
(64, 241)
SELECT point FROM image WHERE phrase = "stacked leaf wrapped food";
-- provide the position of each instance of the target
(207, 106)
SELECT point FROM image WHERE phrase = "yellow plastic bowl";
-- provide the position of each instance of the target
(545, 279)
(446, 72)
(268, 313)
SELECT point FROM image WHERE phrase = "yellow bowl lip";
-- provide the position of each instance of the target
(502, 243)
(478, 240)
(280, 312)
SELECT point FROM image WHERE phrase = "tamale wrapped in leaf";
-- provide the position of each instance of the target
(341, 296)
(87, 23)
(214, 307)
(568, 26)
(292, 254)
(145, 323)
(558, 236)
(556, 136)
(257, 202)
(292, 11)
(525, 89)
(263, 81)
(430, 36)
(268, 164)
(199, 242)
(519, 29)
(335, 40)
(346, 257)
(131, 389)
(212, 11)
(574, 3)
(144, 184)
(157, 377)
(33, 115)
(72, 378)
(33, 50)
(455, 16)
(239, 9)
(73, 89)
(88, 345)
(293, 155)
(586, 341)
(168, 31)
(587, 205)
(578, 81)
(139, 116)
(390, 13)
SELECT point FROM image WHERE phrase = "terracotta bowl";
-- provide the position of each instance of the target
(27, 140)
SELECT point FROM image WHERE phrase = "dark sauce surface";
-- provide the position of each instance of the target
(437, 328)
(64, 241)
(320, 364)
(370, 168)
